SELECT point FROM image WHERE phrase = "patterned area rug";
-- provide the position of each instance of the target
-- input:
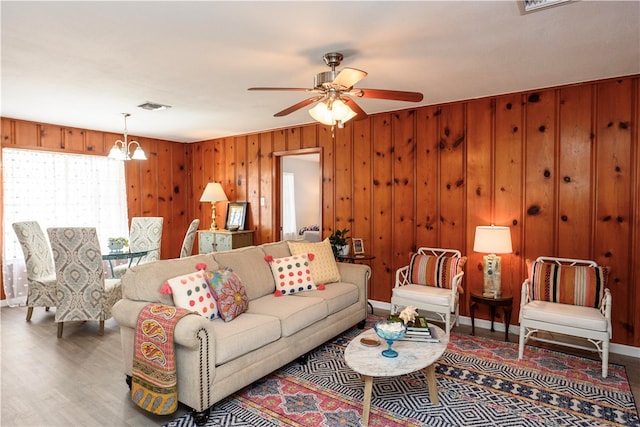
(481, 382)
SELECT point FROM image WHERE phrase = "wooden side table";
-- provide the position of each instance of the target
(504, 301)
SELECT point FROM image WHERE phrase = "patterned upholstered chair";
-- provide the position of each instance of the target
(41, 276)
(189, 238)
(145, 234)
(82, 291)
(431, 282)
(564, 296)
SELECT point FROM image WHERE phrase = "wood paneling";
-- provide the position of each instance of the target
(560, 166)
(151, 184)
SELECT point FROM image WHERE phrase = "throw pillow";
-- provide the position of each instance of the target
(229, 292)
(431, 270)
(567, 284)
(323, 266)
(292, 274)
(191, 291)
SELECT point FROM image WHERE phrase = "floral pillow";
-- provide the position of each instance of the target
(191, 291)
(292, 274)
(230, 293)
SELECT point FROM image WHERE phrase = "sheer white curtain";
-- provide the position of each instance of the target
(58, 190)
(289, 228)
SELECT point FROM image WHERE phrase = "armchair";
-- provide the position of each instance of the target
(569, 297)
(431, 282)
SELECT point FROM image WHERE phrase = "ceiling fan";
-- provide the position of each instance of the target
(334, 93)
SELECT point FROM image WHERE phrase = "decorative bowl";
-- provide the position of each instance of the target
(390, 331)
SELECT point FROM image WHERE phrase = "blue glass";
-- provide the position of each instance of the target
(389, 336)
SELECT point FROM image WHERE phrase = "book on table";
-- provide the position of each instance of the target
(420, 326)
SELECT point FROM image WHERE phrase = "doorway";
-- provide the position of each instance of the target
(298, 193)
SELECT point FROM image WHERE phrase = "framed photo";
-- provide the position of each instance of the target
(236, 215)
(358, 246)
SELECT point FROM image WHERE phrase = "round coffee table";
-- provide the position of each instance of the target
(412, 356)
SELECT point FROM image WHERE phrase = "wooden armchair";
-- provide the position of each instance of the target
(569, 297)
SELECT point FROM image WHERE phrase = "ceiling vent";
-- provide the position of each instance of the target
(531, 5)
(153, 106)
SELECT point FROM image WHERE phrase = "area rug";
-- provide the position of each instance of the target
(481, 382)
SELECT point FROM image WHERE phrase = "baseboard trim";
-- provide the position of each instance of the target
(621, 349)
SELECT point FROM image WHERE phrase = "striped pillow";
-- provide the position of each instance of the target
(567, 284)
(435, 271)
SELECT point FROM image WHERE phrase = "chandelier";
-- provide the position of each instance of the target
(121, 150)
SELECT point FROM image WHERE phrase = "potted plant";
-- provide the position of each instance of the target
(338, 240)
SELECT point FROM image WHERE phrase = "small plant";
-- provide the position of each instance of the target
(338, 240)
(118, 242)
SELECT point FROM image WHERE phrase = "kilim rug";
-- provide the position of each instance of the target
(481, 382)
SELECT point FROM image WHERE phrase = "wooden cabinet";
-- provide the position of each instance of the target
(223, 240)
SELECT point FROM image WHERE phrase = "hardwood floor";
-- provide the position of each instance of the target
(78, 381)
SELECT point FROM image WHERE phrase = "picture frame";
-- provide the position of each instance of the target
(358, 246)
(236, 216)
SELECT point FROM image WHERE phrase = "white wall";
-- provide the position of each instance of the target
(307, 188)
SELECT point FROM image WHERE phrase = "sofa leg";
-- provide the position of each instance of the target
(361, 324)
(303, 359)
(200, 418)
(129, 379)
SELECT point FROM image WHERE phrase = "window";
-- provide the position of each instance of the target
(58, 190)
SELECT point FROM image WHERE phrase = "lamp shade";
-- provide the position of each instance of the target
(492, 240)
(339, 112)
(213, 192)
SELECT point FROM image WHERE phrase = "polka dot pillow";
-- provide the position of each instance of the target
(191, 291)
(292, 274)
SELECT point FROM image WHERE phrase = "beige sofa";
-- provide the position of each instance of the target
(214, 358)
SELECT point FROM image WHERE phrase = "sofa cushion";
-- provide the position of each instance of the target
(337, 295)
(294, 313)
(191, 291)
(567, 284)
(323, 266)
(276, 249)
(246, 333)
(292, 274)
(230, 293)
(565, 314)
(143, 282)
(248, 263)
(435, 271)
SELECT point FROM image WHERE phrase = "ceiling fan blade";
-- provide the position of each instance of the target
(347, 77)
(297, 89)
(298, 106)
(395, 95)
(355, 107)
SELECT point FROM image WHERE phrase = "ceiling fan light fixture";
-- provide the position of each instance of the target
(339, 113)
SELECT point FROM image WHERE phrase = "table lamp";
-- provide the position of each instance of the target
(492, 240)
(213, 193)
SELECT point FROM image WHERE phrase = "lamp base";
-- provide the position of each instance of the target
(492, 276)
(214, 226)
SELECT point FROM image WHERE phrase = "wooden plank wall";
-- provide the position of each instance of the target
(159, 186)
(560, 166)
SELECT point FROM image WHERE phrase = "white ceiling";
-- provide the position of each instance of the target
(82, 63)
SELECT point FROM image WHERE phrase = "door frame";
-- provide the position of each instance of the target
(277, 190)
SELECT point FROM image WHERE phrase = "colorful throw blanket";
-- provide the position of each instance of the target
(154, 384)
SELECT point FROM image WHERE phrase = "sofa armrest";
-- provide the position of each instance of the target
(187, 329)
(359, 275)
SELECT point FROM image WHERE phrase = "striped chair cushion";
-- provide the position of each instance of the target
(575, 285)
(435, 271)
